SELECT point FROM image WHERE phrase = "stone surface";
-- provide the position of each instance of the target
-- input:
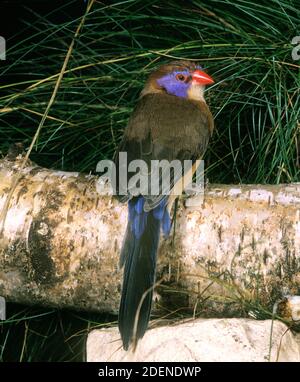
(206, 340)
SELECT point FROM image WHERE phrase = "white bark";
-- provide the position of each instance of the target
(61, 241)
(201, 340)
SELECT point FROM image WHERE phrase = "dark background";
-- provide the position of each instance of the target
(15, 14)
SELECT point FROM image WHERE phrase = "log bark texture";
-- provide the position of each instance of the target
(61, 240)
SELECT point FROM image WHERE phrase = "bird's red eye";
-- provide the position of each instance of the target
(181, 77)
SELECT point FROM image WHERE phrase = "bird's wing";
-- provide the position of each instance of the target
(164, 127)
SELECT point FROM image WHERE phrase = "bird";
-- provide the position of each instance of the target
(171, 121)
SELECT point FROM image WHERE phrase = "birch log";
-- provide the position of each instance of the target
(60, 243)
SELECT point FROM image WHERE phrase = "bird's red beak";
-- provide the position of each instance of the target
(201, 78)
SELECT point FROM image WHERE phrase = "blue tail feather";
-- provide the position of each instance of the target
(139, 256)
(138, 217)
(166, 223)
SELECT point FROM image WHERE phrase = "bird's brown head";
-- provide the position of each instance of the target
(184, 79)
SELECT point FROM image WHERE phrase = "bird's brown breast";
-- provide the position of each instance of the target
(172, 121)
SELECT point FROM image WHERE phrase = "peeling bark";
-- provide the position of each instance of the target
(61, 241)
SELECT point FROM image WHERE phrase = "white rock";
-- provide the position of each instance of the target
(202, 340)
